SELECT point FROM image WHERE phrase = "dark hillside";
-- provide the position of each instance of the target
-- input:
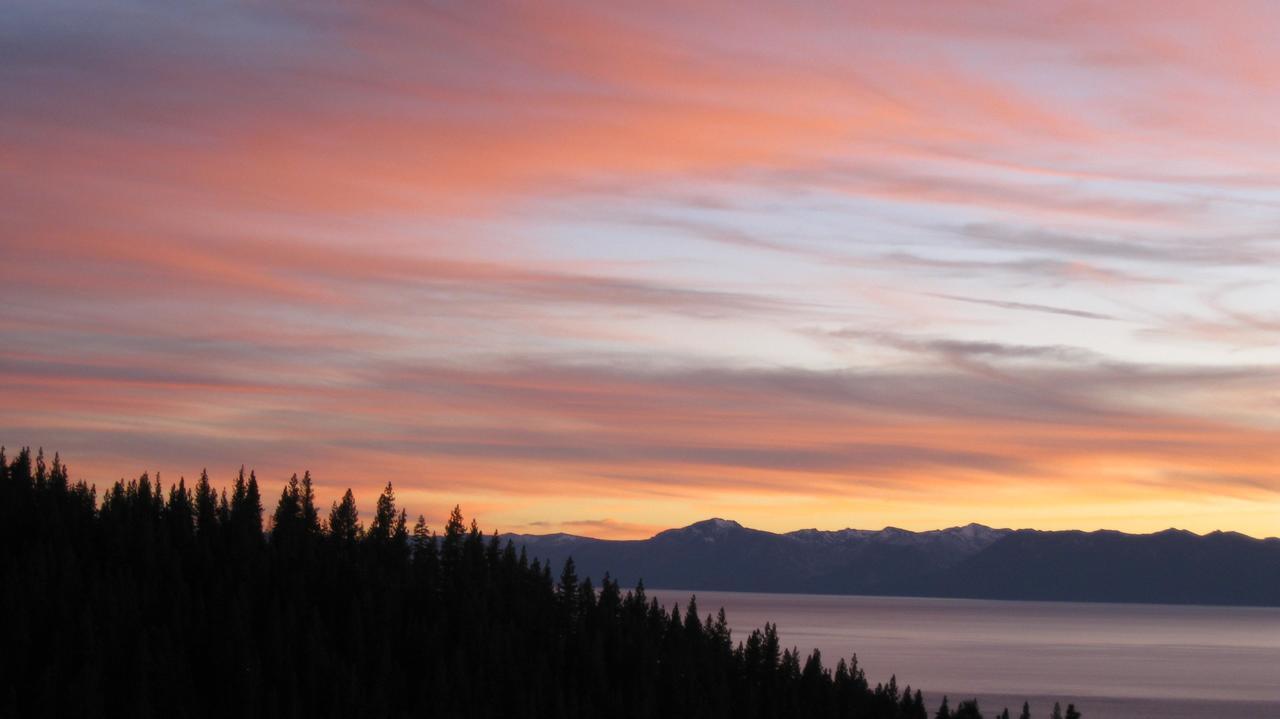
(172, 601)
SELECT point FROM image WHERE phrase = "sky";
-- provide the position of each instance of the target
(607, 268)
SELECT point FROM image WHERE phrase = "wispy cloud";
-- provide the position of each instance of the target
(1026, 307)
(605, 528)
(1249, 250)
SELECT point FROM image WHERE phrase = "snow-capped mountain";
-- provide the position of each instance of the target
(972, 560)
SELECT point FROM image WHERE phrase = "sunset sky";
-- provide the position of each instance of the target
(606, 270)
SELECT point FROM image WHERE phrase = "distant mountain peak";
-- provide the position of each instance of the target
(718, 522)
(714, 524)
(973, 530)
(707, 529)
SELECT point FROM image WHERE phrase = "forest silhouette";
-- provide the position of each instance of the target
(154, 602)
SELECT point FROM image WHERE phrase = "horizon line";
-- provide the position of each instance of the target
(891, 527)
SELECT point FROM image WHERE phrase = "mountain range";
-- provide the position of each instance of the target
(973, 561)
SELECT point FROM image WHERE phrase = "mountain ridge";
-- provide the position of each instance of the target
(1172, 566)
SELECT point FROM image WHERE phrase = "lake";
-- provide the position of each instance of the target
(1114, 661)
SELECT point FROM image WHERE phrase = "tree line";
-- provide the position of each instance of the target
(177, 602)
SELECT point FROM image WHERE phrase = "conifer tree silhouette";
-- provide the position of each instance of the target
(153, 603)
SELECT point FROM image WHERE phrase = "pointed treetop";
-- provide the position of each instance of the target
(344, 520)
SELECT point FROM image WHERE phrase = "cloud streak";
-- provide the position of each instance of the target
(1027, 307)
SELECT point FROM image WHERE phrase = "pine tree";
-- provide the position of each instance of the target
(720, 632)
(421, 535)
(20, 470)
(906, 706)
(58, 476)
(253, 507)
(919, 710)
(567, 590)
(400, 532)
(286, 521)
(944, 711)
(692, 626)
(307, 498)
(344, 520)
(1071, 712)
(1057, 711)
(246, 510)
(454, 531)
(206, 506)
(769, 648)
(42, 471)
(179, 513)
(384, 518)
(224, 510)
(239, 490)
(1026, 711)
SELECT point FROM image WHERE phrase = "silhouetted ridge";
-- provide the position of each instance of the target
(975, 561)
(172, 602)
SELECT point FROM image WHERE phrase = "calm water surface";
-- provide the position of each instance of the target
(1115, 661)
